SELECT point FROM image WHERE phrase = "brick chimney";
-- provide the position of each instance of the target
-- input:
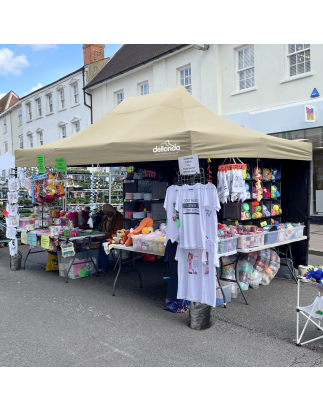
(92, 53)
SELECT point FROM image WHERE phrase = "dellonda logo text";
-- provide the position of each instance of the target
(166, 147)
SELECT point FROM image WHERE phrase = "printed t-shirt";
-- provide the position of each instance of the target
(172, 215)
(196, 276)
(191, 203)
(212, 222)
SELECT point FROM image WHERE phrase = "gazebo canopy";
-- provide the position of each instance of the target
(162, 126)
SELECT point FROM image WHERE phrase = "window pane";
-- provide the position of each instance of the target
(300, 68)
(240, 59)
(252, 81)
(248, 83)
(300, 57)
(299, 47)
(307, 66)
(291, 48)
(251, 56)
(306, 46)
(186, 72)
(242, 75)
(189, 89)
(242, 85)
(293, 59)
(246, 58)
(293, 70)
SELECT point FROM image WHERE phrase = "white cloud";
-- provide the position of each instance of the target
(39, 47)
(11, 64)
(39, 85)
(2, 95)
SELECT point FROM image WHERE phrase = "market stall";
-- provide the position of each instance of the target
(151, 132)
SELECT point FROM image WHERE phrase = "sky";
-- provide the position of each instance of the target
(26, 67)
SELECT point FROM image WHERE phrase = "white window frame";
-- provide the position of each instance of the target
(5, 146)
(181, 71)
(19, 116)
(31, 140)
(5, 129)
(41, 138)
(76, 94)
(117, 95)
(141, 87)
(50, 104)
(21, 142)
(63, 131)
(39, 109)
(29, 112)
(61, 102)
(77, 127)
(305, 48)
(245, 68)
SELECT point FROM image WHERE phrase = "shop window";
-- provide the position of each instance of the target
(119, 96)
(246, 70)
(143, 88)
(299, 57)
(185, 78)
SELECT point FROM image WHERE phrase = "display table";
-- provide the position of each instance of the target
(241, 251)
(83, 236)
(122, 247)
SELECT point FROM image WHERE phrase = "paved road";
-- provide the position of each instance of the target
(46, 322)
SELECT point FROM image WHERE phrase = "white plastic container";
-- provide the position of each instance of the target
(227, 292)
(250, 240)
(138, 196)
(226, 245)
(272, 237)
(296, 232)
(139, 214)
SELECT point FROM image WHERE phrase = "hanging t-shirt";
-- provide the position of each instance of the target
(172, 215)
(196, 276)
(191, 203)
(212, 221)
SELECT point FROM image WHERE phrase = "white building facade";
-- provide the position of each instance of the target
(267, 88)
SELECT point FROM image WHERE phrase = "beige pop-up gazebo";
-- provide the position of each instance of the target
(158, 127)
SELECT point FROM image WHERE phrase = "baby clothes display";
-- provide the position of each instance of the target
(191, 203)
(172, 214)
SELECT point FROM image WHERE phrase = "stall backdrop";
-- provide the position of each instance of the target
(158, 127)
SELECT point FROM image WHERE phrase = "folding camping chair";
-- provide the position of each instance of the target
(311, 312)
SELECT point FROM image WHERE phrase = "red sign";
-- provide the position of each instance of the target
(5, 213)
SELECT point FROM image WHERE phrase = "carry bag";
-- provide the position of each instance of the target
(200, 316)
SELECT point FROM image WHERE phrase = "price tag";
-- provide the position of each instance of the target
(60, 164)
(189, 165)
(23, 238)
(45, 241)
(41, 164)
(32, 239)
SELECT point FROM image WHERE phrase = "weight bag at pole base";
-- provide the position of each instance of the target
(200, 316)
(15, 262)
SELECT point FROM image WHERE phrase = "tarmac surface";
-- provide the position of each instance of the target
(46, 322)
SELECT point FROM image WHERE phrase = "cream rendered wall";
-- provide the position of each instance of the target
(271, 73)
(16, 129)
(161, 75)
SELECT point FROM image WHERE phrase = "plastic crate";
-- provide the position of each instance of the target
(250, 240)
(227, 289)
(226, 245)
(272, 237)
(296, 232)
(143, 242)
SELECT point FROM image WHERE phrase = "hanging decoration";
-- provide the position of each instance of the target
(209, 172)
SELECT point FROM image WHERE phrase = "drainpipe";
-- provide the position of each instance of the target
(85, 93)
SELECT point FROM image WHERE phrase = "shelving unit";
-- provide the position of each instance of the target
(268, 202)
(145, 185)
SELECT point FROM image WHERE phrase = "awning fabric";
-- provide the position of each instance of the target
(162, 126)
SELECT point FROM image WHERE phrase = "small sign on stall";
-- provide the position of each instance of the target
(23, 237)
(45, 241)
(41, 164)
(189, 165)
(60, 164)
(32, 239)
